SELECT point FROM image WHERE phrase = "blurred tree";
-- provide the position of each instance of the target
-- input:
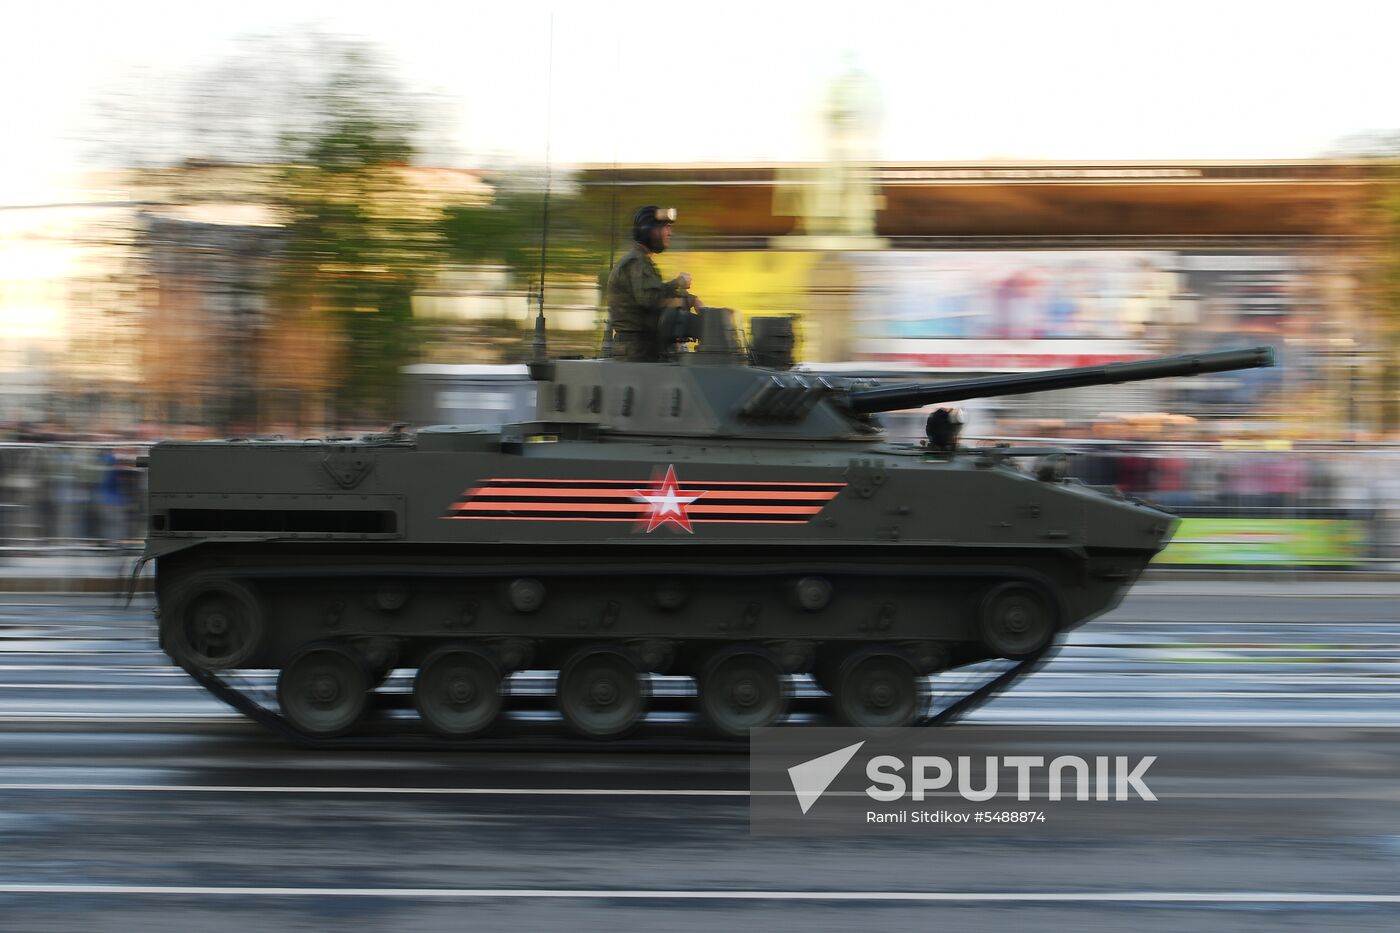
(1386, 272)
(357, 239)
(267, 101)
(1381, 231)
(319, 133)
(509, 230)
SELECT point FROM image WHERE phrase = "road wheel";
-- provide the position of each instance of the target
(1015, 621)
(742, 690)
(877, 689)
(323, 690)
(217, 624)
(601, 694)
(458, 692)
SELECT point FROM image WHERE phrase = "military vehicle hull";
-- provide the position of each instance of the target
(535, 546)
(697, 516)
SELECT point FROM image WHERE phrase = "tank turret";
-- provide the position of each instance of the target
(713, 391)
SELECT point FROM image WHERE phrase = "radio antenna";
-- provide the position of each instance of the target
(541, 349)
(612, 220)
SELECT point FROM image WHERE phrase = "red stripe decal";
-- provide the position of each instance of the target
(630, 507)
(647, 482)
(646, 503)
(696, 521)
(578, 493)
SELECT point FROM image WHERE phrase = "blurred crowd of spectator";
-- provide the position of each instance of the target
(1206, 477)
(59, 487)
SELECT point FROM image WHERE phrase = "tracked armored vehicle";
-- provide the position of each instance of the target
(704, 517)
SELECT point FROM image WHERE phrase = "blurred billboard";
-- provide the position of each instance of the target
(988, 310)
(1005, 295)
(1339, 541)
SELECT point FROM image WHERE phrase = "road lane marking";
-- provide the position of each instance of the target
(1003, 713)
(1164, 694)
(124, 687)
(406, 791)
(1144, 591)
(121, 719)
(1068, 897)
(344, 790)
(1351, 678)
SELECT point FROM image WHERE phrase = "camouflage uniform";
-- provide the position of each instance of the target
(636, 298)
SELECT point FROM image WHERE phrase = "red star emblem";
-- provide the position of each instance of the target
(668, 502)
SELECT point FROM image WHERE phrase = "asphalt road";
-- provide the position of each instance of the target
(131, 800)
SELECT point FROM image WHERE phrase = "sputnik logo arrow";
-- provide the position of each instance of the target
(811, 778)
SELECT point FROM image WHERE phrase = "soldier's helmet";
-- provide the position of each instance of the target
(647, 220)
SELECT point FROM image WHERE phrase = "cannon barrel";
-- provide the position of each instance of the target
(912, 395)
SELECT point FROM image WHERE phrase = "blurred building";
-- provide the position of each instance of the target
(210, 277)
(222, 346)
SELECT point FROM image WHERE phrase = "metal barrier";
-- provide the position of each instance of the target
(71, 497)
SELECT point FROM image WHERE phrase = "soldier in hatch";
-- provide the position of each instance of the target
(636, 293)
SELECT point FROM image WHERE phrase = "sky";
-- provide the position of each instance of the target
(723, 82)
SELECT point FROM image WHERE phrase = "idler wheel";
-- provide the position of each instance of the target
(601, 694)
(877, 689)
(458, 692)
(218, 624)
(1015, 621)
(742, 690)
(323, 690)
